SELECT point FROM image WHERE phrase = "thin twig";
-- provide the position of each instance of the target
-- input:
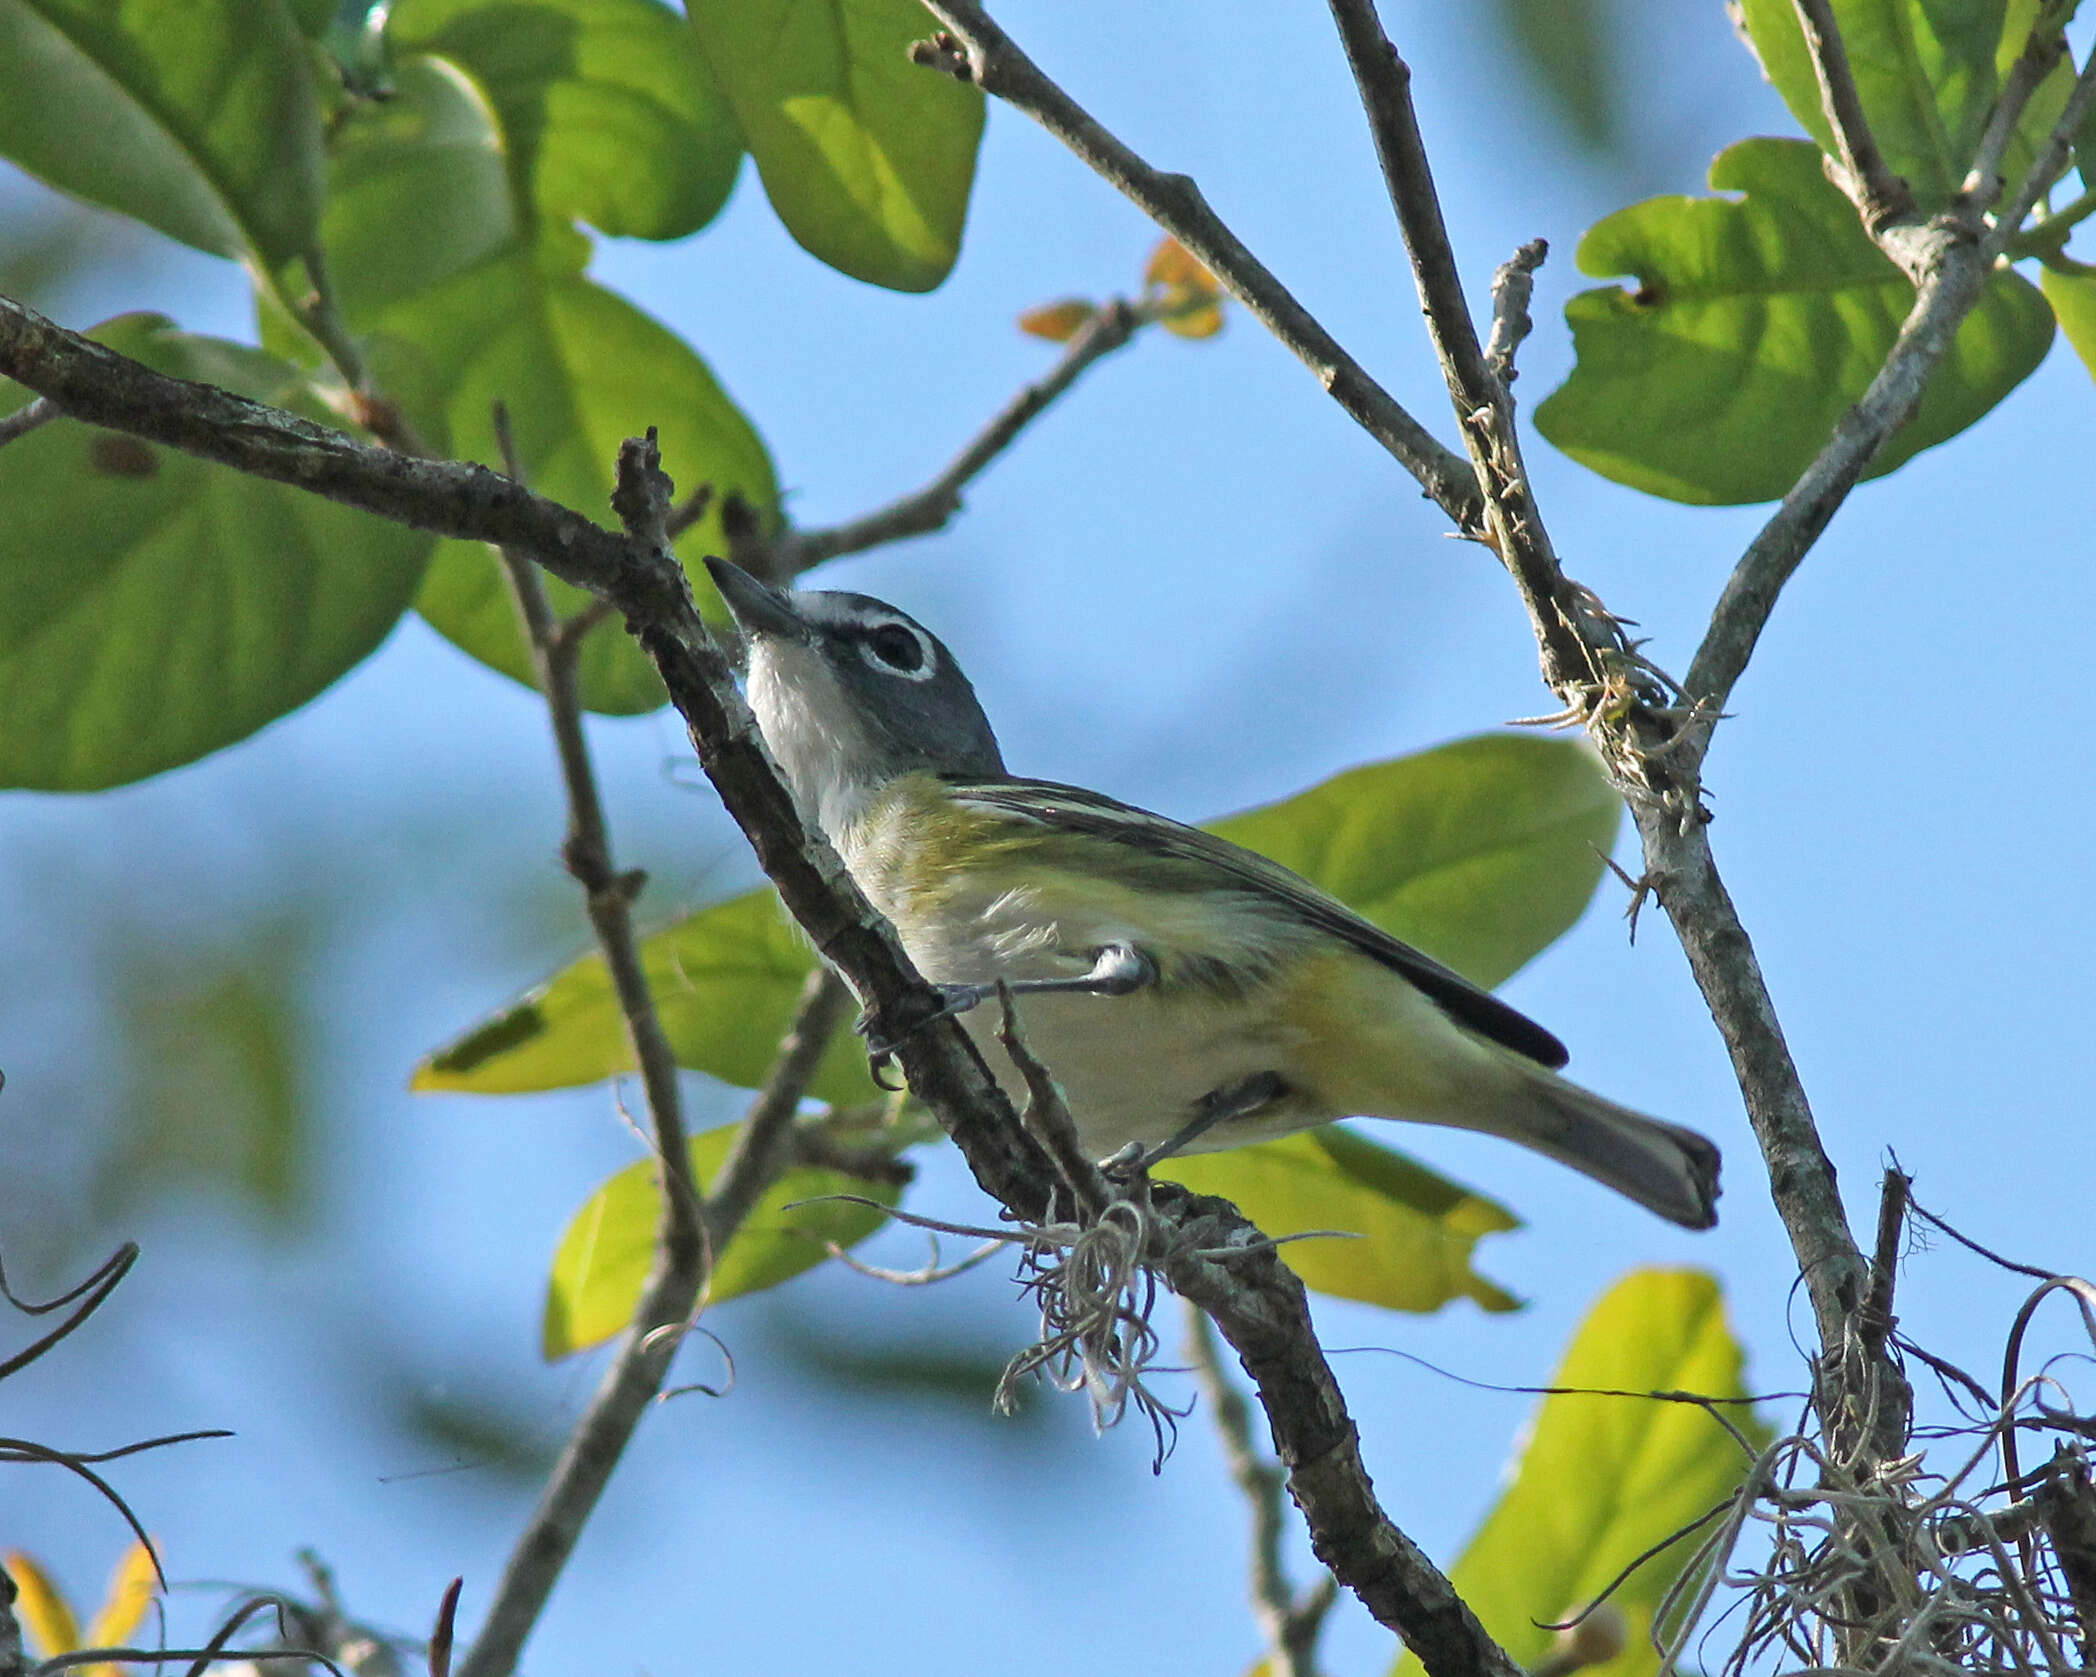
(671, 1291)
(1513, 282)
(1512, 521)
(27, 418)
(1881, 197)
(978, 50)
(1290, 1623)
(930, 508)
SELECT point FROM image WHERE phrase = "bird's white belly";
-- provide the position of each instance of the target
(1135, 1068)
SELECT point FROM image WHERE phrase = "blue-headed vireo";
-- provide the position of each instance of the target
(1185, 993)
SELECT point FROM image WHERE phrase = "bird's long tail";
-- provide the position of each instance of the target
(1667, 1169)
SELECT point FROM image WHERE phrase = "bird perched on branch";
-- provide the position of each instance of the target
(1187, 994)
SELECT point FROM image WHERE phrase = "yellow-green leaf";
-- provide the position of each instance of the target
(1417, 1230)
(42, 1607)
(1482, 851)
(2073, 300)
(1602, 1479)
(867, 158)
(131, 1590)
(725, 981)
(605, 1253)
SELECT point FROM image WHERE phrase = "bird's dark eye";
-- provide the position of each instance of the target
(896, 647)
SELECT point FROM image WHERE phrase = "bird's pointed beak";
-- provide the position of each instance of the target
(759, 608)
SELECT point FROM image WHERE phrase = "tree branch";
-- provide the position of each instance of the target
(1880, 196)
(930, 508)
(978, 50)
(26, 418)
(1216, 1259)
(1957, 257)
(1290, 1624)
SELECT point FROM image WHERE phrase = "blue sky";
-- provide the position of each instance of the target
(1194, 585)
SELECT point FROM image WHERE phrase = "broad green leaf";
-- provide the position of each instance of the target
(608, 109)
(581, 370)
(1417, 1230)
(2073, 300)
(605, 1253)
(1754, 326)
(1926, 71)
(1603, 1479)
(154, 608)
(867, 158)
(199, 119)
(1482, 852)
(725, 982)
(480, 313)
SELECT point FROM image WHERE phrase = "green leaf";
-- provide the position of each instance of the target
(1482, 852)
(725, 980)
(2073, 299)
(1417, 1230)
(1754, 326)
(867, 158)
(1602, 1479)
(198, 119)
(154, 608)
(608, 109)
(607, 1248)
(1927, 72)
(479, 313)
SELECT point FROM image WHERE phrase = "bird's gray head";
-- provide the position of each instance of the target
(851, 693)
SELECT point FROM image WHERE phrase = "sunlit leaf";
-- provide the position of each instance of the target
(867, 158)
(2073, 300)
(198, 119)
(607, 108)
(1416, 1230)
(580, 370)
(1192, 301)
(1926, 71)
(154, 608)
(1601, 1479)
(42, 1607)
(1481, 851)
(1058, 322)
(605, 1254)
(131, 1591)
(479, 313)
(1755, 324)
(725, 980)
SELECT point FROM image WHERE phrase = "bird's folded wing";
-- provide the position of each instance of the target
(1073, 809)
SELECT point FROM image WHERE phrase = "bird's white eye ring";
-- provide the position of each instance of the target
(898, 649)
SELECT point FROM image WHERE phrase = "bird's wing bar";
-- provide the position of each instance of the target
(1076, 810)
